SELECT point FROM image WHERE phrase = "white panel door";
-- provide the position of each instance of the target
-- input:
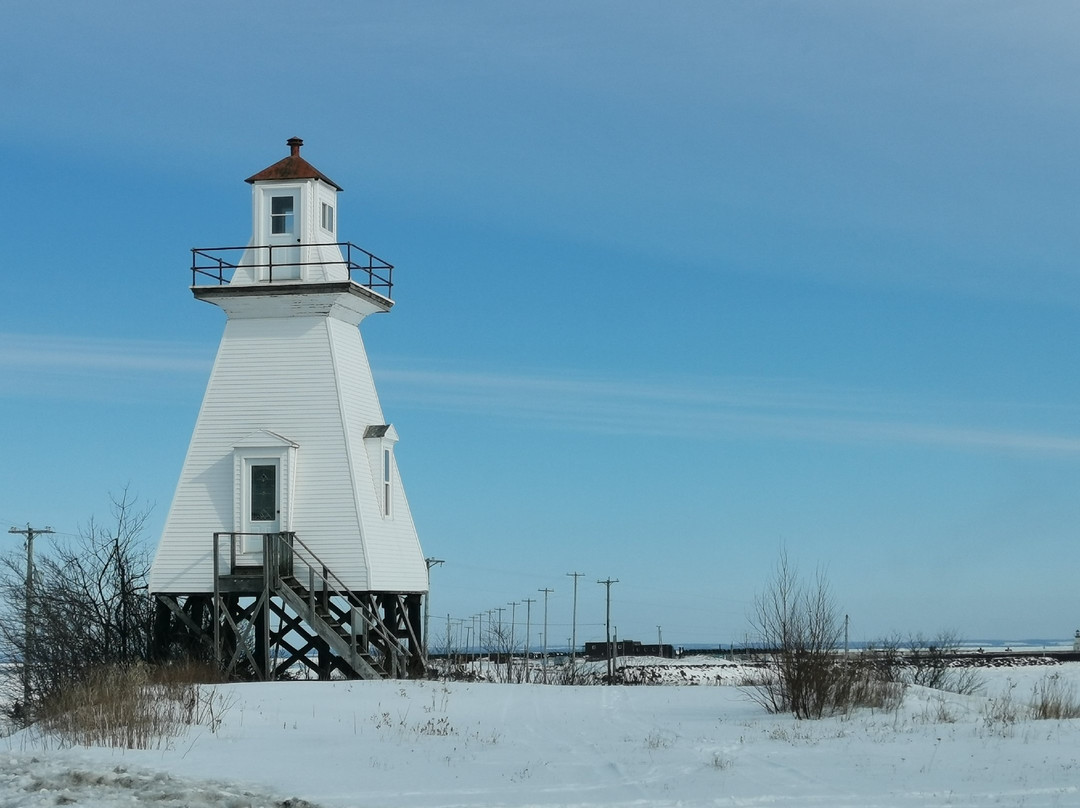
(283, 234)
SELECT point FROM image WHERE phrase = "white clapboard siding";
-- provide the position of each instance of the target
(395, 559)
(305, 378)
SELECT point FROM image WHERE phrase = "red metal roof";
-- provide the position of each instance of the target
(293, 167)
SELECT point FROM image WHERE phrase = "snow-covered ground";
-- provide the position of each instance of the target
(407, 744)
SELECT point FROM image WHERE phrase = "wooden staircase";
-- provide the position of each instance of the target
(348, 639)
(303, 614)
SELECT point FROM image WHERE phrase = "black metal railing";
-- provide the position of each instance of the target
(215, 265)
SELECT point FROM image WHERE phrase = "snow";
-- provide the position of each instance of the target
(428, 743)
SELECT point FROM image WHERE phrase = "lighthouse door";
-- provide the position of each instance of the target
(262, 506)
(283, 235)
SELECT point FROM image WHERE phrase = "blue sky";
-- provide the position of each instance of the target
(678, 285)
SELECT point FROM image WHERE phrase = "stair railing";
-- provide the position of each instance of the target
(283, 550)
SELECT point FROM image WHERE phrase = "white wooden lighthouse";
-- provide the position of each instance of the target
(289, 540)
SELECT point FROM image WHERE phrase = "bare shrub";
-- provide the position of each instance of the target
(798, 626)
(575, 673)
(1053, 698)
(929, 663)
(932, 663)
(753, 679)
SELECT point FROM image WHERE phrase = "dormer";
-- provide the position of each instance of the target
(294, 215)
(379, 440)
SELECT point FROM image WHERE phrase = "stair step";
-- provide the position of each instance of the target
(336, 629)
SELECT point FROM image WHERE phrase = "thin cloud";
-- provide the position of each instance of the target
(105, 370)
(688, 408)
(723, 409)
(89, 354)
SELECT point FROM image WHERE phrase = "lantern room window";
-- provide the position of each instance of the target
(281, 215)
(328, 217)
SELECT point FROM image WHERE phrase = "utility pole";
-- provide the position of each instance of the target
(500, 639)
(528, 629)
(28, 637)
(546, 592)
(607, 623)
(431, 562)
(449, 645)
(510, 658)
(659, 641)
(573, 630)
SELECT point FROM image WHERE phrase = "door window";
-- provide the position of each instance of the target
(264, 493)
(281, 215)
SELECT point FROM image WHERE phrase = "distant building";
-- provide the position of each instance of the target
(599, 650)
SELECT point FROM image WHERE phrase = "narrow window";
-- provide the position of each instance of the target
(387, 491)
(281, 215)
(328, 217)
(263, 493)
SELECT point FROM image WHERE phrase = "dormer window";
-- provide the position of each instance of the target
(281, 215)
(388, 491)
(328, 217)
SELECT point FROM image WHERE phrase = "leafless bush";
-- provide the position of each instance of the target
(798, 626)
(932, 663)
(87, 607)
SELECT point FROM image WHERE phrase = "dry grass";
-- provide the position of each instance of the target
(1054, 699)
(1002, 712)
(133, 706)
(863, 686)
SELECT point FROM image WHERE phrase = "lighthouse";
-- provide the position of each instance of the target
(289, 542)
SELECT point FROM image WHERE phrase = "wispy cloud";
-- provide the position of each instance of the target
(100, 369)
(91, 354)
(728, 408)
